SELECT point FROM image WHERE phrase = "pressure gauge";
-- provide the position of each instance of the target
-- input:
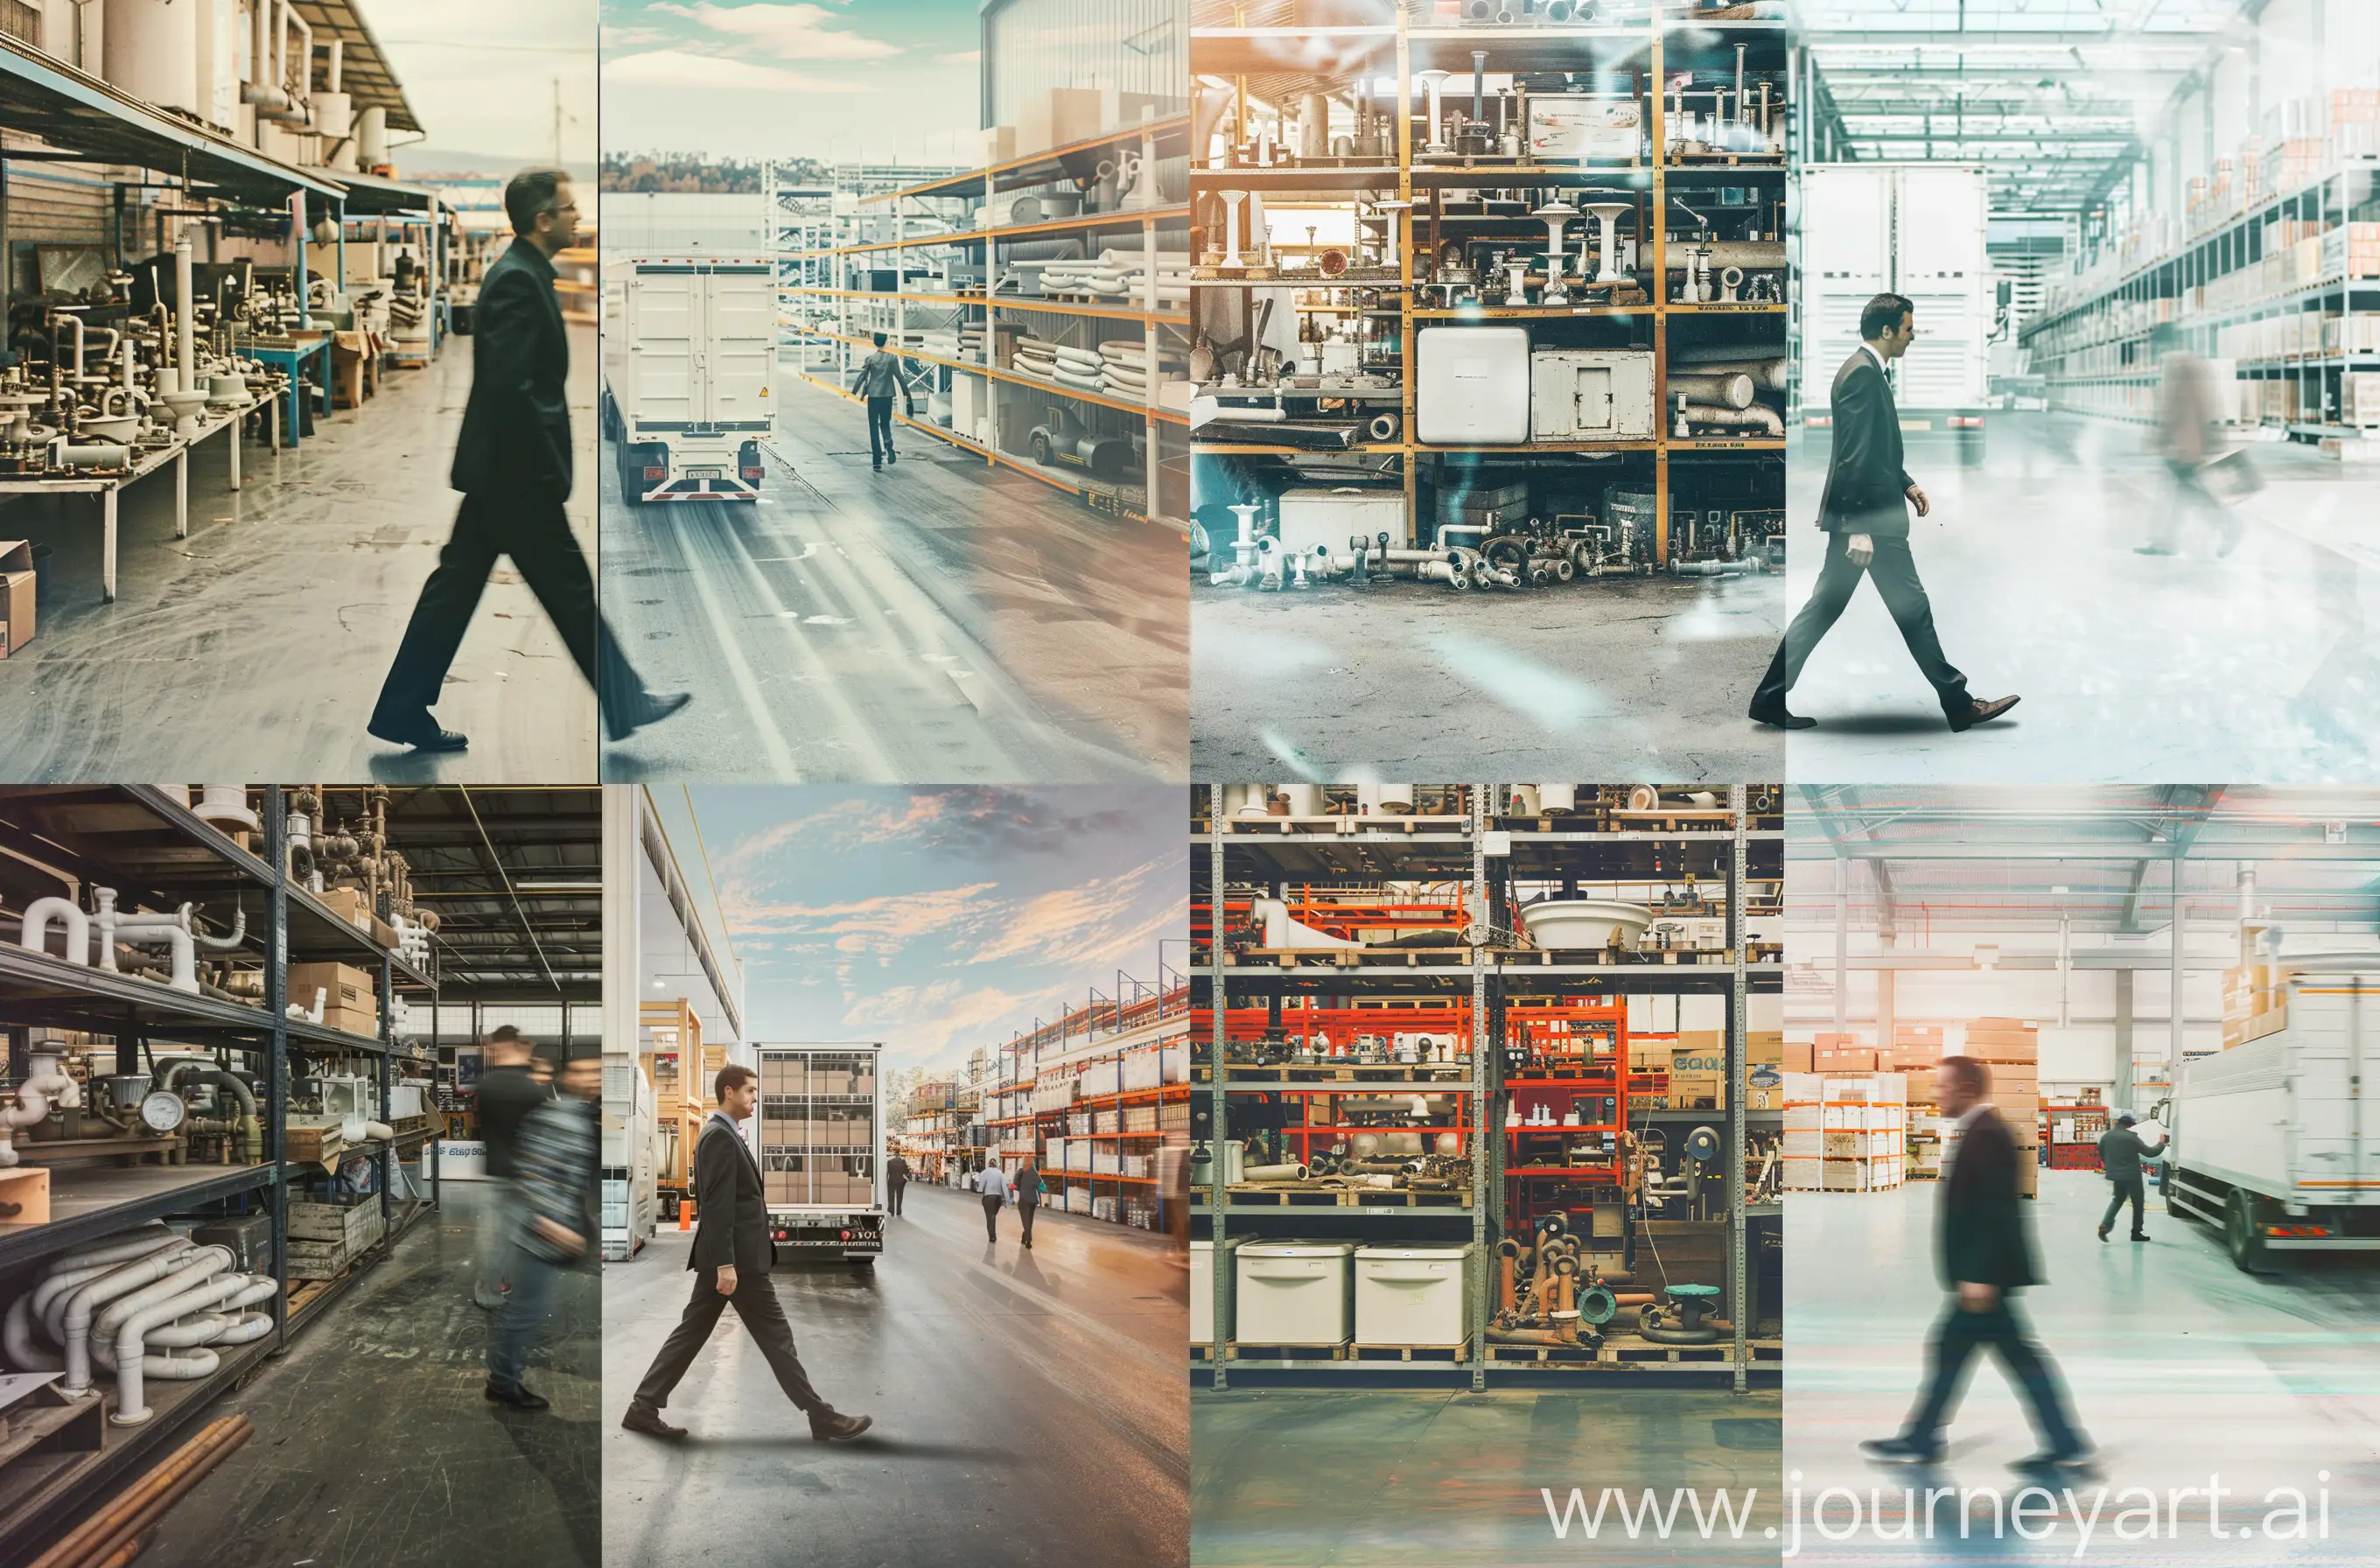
(162, 1111)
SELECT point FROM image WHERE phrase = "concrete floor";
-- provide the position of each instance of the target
(943, 620)
(2133, 669)
(373, 1446)
(1647, 679)
(2178, 1364)
(255, 648)
(1291, 1478)
(1028, 1405)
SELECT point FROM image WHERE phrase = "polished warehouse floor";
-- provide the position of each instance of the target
(1400, 680)
(2134, 669)
(254, 648)
(1028, 1404)
(945, 619)
(1302, 1479)
(2179, 1368)
(373, 1446)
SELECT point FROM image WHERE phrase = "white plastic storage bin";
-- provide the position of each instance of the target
(1327, 519)
(1591, 393)
(1293, 1293)
(1202, 1289)
(1472, 385)
(1414, 1295)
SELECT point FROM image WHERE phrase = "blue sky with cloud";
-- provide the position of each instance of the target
(819, 79)
(938, 919)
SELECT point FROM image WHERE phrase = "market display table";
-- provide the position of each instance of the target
(292, 360)
(108, 486)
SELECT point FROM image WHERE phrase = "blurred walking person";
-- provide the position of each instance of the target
(896, 1182)
(992, 1183)
(1029, 1194)
(509, 1091)
(1984, 1252)
(2121, 1152)
(2188, 437)
(555, 1170)
(512, 463)
(731, 1260)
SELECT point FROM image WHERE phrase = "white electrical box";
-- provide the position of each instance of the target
(1592, 393)
(1293, 1293)
(1582, 126)
(1202, 1289)
(1414, 1294)
(1326, 519)
(1471, 386)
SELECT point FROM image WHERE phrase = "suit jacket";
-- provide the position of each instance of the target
(517, 425)
(731, 1207)
(896, 1170)
(1866, 486)
(1983, 1236)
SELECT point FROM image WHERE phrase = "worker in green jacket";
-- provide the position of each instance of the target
(2120, 1153)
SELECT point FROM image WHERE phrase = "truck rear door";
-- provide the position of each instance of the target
(1846, 261)
(665, 311)
(1942, 268)
(741, 338)
(2332, 1052)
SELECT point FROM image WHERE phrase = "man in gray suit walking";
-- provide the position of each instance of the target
(1865, 516)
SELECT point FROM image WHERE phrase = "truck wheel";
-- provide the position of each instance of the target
(2240, 1233)
(608, 416)
(1042, 449)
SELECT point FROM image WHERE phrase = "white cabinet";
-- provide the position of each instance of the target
(1293, 1293)
(1414, 1295)
(1592, 393)
(1472, 385)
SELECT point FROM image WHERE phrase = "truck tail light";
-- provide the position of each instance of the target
(654, 476)
(846, 1236)
(752, 475)
(1817, 421)
(1966, 422)
(2297, 1230)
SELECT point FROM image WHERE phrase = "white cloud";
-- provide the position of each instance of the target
(1099, 922)
(793, 33)
(968, 57)
(681, 67)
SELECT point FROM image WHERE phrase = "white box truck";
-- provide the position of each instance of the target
(2272, 1141)
(689, 349)
(819, 1141)
(630, 1173)
(1917, 230)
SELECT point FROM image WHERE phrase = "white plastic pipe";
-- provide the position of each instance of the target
(34, 928)
(1759, 417)
(185, 353)
(17, 1338)
(186, 1289)
(69, 1269)
(1726, 389)
(49, 1306)
(45, 1086)
(139, 1280)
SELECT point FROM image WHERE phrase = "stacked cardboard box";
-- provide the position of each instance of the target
(2010, 1051)
(1698, 1067)
(1844, 1133)
(1915, 1048)
(1805, 1143)
(2255, 993)
(350, 997)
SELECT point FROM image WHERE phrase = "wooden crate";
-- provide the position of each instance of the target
(354, 1225)
(25, 1196)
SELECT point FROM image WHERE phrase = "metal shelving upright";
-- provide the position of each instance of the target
(1489, 977)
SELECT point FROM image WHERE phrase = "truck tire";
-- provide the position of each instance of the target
(2245, 1243)
(608, 416)
(1041, 448)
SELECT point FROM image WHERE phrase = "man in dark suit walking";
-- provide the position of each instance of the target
(512, 463)
(1985, 1251)
(1866, 515)
(731, 1260)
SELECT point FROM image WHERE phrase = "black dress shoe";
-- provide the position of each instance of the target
(1901, 1451)
(2054, 1459)
(1982, 712)
(645, 1420)
(517, 1396)
(2140, 1235)
(646, 709)
(426, 736)
(828, 1427)
(1779, 719)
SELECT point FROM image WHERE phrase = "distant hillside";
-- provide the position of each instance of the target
(427, 160)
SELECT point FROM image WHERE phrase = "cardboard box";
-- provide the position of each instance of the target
(351, 905)
(1846, 1059)
(344, 986)
(1057, 119)
(1687, 1088)
(16, 594)
(1799, 1056)
(1699, 1050)
(1650, 1055)
(1764, 1047)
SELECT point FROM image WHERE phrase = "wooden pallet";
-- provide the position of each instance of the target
(1349, 958)
(1353, 1074)
(1254, 1193)
(1443, 1354)
(1727, 160)
(1543, 1354)
(1330, 827)
(1238, 1351)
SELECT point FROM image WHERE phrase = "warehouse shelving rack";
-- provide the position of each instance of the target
(1286, 51)
(2094, 348)
(860, 311)
(1139, 1015)
(1481, 986)
(145, 840)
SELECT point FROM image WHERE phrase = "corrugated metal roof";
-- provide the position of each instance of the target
(364, 71)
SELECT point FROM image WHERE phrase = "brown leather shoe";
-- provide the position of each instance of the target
(1983, 713)
(826, 1425)
(645, 1420)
